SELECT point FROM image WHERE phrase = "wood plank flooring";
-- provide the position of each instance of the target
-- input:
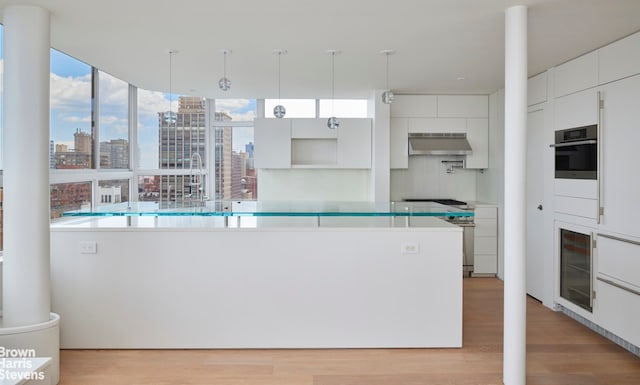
(559, 352)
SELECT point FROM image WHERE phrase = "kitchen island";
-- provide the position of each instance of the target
(353, 277)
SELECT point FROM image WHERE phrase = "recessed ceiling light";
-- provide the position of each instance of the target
(461, 78)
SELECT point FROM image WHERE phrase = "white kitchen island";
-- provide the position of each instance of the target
(141, 281)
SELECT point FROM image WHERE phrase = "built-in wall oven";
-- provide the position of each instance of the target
(576, 153)
(576, 268)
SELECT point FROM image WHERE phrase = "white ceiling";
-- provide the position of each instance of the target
(437, 42)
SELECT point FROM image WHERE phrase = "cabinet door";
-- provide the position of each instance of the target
(619, 144)
(478, 137)
(354, 143)
(399, 143)
(576, 110)
(272, 143)
(311, 129)
(577, 74)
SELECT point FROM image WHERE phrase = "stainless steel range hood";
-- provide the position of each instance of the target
(448, 143)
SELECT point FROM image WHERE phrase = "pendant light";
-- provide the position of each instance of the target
(224, 83)
(333, 122)
(387, 95)
(279, 111)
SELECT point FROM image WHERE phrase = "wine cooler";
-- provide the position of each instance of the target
(575, 268)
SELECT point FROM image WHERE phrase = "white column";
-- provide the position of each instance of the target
(515, 319)
(26, 292)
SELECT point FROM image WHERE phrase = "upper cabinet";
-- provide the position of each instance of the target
(309, 143)
(272, 143)
(537, 89)
(415, 106)
(442, 114)
(577, 74)
(576, 110)
(620, 59)
(354, 143)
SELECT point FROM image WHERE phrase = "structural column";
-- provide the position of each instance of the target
(515, 295)
(26, 282)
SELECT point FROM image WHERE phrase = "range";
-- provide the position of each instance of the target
(466, 223)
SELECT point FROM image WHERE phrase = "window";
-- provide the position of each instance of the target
(113, 191)
(70, 98)
(343, 108)
(233, 135)
(151, 106)
(113, 122)
(69, 196)
(296, 108)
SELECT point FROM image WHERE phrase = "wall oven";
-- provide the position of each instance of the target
(576, 153)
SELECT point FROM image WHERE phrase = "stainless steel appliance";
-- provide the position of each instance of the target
(576, 153)
(467, 224)
(576, 268)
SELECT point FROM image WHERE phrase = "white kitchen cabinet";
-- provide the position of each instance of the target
(577, 74)
(438, 125)
(416, 106)
(576, 110)
(272, 139)
(620, 59)
(399, 143)
(617, 285)
(311, 129)
(478, 137)
(354, 143)
(620, 137)
(485, 239)
(537, 89)
(463, 106)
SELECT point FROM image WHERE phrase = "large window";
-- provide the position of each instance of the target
(71, 134)
(151, 106)
(69, 196)
(296, 108)
(113, 122)
(235, 175)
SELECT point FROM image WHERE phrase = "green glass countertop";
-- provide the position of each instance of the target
(274, 209)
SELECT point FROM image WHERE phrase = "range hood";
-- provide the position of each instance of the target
(448, 143)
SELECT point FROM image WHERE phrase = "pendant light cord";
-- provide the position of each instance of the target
(224, 64)
(279, 54)
(170, 86)
(333, 81)
(387, 71)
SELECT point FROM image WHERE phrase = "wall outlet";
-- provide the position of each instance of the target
(410, 248)
(88, 247)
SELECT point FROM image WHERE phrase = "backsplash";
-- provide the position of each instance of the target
(427, 176)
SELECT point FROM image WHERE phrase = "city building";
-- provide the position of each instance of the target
(114, 154)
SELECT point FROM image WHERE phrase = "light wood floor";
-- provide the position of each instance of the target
(559, 351)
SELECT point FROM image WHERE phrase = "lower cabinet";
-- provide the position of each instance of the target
(485, 237)
(617, 285)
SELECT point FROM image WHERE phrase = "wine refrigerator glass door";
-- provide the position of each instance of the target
(575, 268)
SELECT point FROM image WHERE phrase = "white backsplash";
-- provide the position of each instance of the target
(314, 184)
(427, 177)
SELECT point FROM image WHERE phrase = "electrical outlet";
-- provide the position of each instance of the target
(410, 248)
(88, 247)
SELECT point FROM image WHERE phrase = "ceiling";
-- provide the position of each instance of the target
(442, 46)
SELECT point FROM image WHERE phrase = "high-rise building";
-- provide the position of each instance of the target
(114, 154)
(182, 135)
(82, 141)
(223, 166)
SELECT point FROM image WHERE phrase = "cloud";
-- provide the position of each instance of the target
(237, 109)
(70, 93)
(77, 119)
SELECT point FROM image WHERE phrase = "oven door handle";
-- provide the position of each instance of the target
(577, 143)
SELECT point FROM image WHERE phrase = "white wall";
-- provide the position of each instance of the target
(314, 184)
